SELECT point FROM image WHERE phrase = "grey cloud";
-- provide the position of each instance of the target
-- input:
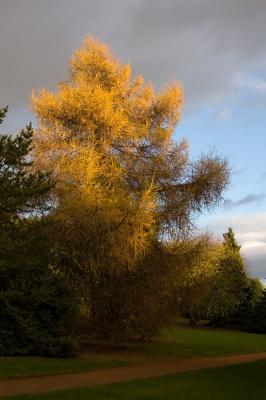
(257, 264)
(40, 37)
(202, 43)
(249, 199)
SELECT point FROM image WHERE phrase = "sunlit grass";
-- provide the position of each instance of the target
(173, 343)
(189, 342)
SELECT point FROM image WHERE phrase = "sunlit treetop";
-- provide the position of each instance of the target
(107, 136)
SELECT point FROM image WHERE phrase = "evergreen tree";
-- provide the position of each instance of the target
(230, 243)
(24, 198)
(21, 191)
(231, 284)
(34, 301)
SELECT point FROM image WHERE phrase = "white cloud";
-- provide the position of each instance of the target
(257, 246)
(223, 115)
(251, 82)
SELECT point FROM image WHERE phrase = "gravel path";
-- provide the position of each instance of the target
(111, 375)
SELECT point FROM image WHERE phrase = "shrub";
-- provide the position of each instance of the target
(250, 314)
(255, 319)
(37, 309)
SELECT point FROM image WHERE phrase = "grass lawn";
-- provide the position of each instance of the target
(190, 342)
(14, 367)
(243, 382)
(177, 342)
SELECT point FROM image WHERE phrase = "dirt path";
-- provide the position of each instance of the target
(119, 374)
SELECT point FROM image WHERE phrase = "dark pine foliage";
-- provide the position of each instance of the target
(254, 320)
(36, 305)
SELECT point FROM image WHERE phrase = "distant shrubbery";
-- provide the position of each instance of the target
(250, 316)
(214, 282)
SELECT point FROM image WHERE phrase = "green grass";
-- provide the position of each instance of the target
(14, 367)
(238, 382)
(187, 342)
(177, 342)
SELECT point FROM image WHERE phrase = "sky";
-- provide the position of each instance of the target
(214, 48)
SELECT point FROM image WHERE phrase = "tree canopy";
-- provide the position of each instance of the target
(123, 184)
(122, 180)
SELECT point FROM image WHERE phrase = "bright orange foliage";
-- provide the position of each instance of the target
(121, 179)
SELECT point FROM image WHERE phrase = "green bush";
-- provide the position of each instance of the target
(250, 315)
(255, 319)
(37, 309)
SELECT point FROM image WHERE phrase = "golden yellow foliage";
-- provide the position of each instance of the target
(123, 186)
(101, 112)
(198, 262)
(101, 103)
(121, 180)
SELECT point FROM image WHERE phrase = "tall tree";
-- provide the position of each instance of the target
(232, 280)
(122, 181)
(23, 194)
(34, 301)
(230, 243)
